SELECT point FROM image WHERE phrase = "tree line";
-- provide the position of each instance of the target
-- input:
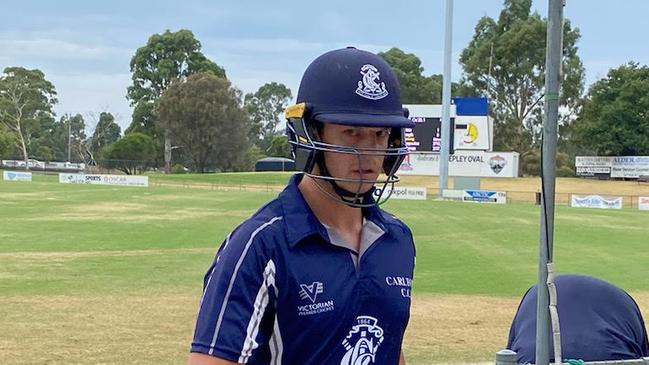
(185, 110)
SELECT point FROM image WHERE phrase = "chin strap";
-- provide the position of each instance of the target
(345, 195)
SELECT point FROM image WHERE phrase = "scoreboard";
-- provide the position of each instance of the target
(426, 136)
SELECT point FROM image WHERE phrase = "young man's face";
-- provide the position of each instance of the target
(353, 166)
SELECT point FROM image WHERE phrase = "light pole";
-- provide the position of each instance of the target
(446, 100)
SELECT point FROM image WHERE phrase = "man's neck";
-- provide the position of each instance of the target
(346, 220)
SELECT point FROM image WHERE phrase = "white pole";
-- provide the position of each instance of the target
(446, 100)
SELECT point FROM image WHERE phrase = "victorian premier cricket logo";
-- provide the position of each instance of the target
(369, 86)
(310, 292)
(362, 342)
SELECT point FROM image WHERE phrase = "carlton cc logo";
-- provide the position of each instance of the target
(362, 342)
(369, 87)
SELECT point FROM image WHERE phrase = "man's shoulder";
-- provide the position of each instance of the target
(394, 223)
(264, 223)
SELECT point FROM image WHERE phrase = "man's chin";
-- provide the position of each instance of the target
(356, 188)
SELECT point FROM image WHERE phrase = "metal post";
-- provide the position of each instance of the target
(552, 84)
(506, 357)
(69, 136)
(446, 100)
(167, 154)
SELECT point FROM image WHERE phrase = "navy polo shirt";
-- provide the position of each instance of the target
(598, 322)
(279, 291)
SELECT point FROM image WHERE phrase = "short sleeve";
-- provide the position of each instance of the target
(238, 293)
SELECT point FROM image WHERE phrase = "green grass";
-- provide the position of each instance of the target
(138, 255)
(249, 178)
(461, 248)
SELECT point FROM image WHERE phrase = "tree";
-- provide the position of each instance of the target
(106, 132)
(265, 107)
(166, 57)
(614, 119)
(414, 86)
(7, 143)
(142, 120)
(251, 157)
(25, 96)
(62, 137)
(76, 126)
(279, 147)
(505, 61)
(204, 113)
(132, 153)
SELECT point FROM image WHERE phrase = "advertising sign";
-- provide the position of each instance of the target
(463, 163)
(596, 201)
(627, 167)
(476, 196)
(119, 180)
(471, 133)
(17, 176)
(643, 203)
(630, 166)
(406, 193)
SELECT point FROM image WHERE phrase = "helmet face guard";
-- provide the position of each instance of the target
(308, 152)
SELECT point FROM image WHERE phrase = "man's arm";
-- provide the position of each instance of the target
(402, 359)
(202, 359)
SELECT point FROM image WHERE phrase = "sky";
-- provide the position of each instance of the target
(84, 47)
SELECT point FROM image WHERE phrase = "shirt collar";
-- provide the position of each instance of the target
(301, 222)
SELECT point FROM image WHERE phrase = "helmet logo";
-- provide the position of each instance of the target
(369, 87)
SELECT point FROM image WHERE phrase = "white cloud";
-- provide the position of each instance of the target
(89, 94)
(56, 49)
(276, 45)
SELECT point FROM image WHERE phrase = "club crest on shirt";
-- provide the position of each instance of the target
(362, 342)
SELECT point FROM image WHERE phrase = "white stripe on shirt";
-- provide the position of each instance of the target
(233, 278)
(276, 346)
(261, 301)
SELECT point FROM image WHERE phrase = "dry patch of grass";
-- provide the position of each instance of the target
(523, 188)
(157, 329)
(96, 330)
(134, 213)
(457, 328)
(27, 256)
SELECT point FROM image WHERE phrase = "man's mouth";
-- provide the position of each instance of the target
(364, 171)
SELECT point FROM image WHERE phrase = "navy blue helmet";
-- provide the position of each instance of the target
(351, 87)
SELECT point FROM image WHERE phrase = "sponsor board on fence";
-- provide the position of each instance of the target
(596, 201)
(17, 176)
(476, 196)
(643, 203)
(463, 163)
(630, 167)
(119, 180)
(405, 192)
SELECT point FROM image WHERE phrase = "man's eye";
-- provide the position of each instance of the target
(383, 133)
(352, 132)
